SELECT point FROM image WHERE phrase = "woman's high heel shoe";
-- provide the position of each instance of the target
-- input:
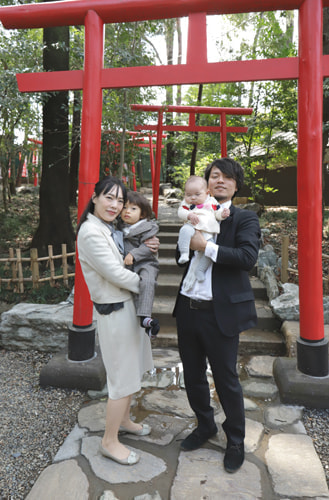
(144, 431)
(132, 458)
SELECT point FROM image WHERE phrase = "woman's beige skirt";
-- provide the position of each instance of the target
(126, 350)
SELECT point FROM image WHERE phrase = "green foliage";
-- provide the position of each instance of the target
(269, 141)
(19, 50)
(17, 227)
(126, 45)
(45, 294)
(182, 172)
(281, 215)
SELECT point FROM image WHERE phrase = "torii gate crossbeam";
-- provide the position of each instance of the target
(309, 68)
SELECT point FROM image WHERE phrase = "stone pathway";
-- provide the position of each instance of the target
(281, 462)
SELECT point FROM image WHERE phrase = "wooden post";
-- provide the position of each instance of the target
(13, 266)
(64, 264)
(34, 267)
(284, 258)
(51, 265)
(20, 271)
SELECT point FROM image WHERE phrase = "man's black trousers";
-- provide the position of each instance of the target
(199, 339)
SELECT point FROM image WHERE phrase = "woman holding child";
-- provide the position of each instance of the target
(126, 350)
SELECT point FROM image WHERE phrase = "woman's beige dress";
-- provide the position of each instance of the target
(125, 348)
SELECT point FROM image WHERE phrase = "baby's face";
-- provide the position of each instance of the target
(196, 193)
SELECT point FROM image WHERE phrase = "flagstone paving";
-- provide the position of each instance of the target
(281, 461)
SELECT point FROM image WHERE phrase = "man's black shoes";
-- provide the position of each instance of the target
(234, 454)
(196, 440)
(234, 457)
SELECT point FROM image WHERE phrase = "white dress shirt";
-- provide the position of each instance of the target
(202, 290)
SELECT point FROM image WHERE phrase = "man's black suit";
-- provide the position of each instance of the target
(213, 333)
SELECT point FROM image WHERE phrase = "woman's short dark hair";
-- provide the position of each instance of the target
(142, 202)
(102, 187)
(229, 167)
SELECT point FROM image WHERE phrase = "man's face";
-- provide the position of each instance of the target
(220, 186)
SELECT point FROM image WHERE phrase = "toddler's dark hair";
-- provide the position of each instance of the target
(142, 202)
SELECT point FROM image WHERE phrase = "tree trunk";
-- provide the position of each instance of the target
(55, 225)
(170, 147)
(18, 182)
(123, 135)
(179, 57)
(4, 188)
(254, 52)
(196, 135)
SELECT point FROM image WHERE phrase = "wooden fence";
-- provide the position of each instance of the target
(14, 267)
(285, 269)
(17, 267)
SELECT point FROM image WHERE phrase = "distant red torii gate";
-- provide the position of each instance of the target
(309, 68)
(191, 127)
(139, 140)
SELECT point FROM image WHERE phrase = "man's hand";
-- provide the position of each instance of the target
(153, 244)
(129, 259)
(198, 242)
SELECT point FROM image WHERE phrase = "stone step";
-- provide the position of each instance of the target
(262, 342)
(253, 341)
(167, 249)
(168, 283)
(168, 237)
(163, 307)
(169, 227)
(168, 265)
(265, 339)
(259, 288)
(266, 319)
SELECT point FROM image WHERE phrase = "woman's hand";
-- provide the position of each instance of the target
(198, 242)
(153, 244)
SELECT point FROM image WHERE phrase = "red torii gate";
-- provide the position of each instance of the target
(309, 68)
(191, 127)
(139, 139)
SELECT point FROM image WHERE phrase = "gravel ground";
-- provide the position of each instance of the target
(316, 423)
(34, 421)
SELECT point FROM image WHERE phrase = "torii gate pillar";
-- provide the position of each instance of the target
(81, 343)
(312, 355)
(303, 387)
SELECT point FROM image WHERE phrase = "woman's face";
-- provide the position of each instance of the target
(108, 206)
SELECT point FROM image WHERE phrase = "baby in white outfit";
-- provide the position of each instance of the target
(200, 211)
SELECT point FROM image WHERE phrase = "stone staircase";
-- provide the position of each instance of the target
(266, 339)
